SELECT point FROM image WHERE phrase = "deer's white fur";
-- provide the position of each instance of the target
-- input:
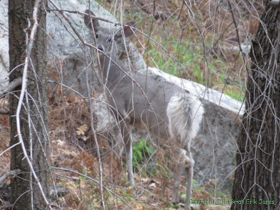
(182, 108)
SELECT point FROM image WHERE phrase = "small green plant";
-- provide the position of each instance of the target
(196, 185)
(141, 150)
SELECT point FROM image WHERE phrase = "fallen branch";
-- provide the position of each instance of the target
(4, 112)
(10, 174)
(58, 192)
(11, 86)
(7, 206)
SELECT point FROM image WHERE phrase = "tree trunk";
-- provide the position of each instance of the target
(257, 175)
(34, 112)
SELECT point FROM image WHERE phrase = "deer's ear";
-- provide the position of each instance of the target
(91, 21)
(127, 30)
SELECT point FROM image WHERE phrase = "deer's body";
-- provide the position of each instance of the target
(164, 109)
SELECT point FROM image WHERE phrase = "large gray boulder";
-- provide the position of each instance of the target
(69, 61)
(4, 44)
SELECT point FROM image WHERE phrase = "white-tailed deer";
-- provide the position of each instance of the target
(164, 109)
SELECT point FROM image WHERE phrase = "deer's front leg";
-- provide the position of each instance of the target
(128, 151)
(125, 131)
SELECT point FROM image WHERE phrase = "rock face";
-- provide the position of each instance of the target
(4, 44)
(72, 65)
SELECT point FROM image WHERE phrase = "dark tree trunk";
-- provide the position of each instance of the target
(257, 175)
(34, 112)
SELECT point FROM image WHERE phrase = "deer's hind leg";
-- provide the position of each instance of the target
(177, 182)
(188, 166)
(186, 163)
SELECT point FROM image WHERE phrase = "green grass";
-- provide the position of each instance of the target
(190, 64)
(141, 151)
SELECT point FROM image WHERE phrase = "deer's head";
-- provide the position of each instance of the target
(105, 36)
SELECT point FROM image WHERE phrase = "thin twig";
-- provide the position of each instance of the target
(96, 143)
(237, 34)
